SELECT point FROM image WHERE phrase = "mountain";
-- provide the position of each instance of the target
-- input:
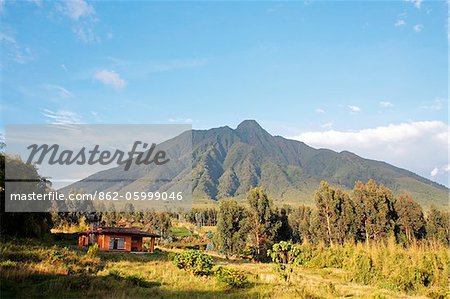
(227, 163)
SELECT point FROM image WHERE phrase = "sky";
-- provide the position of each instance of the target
(368, 77)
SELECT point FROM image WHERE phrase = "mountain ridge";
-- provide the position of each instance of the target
(227, 162)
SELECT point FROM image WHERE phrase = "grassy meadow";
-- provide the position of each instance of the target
(57, 268)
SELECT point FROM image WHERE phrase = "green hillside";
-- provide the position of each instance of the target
(228, 162)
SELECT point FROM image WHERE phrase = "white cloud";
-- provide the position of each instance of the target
(400, 23)
(354, 109)
(110, 78)
(83, 17)
(438, 104)
(416, 146)
(59, 91)
(85, 34)
(2, 6)
(181, 120)
(418, 28)
(327, 125)
(416, 3)
(75, 9)
(13, 50)
(386, 104)
(8, 39)
(319, 110)
(434, 172)
(61, 117)
(440, 170)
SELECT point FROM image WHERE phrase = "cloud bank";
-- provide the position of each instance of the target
(421, 147)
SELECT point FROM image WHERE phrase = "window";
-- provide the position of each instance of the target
(117, 243)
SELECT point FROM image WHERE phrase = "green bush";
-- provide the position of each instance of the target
(92, 251)
(171, 256)
(139, 281)
(363, 267)
(284, 254)
(8, 264)
(131, 279)
(194, 261)
(56, 254)
(114, 273)
(232, 278)
(284, 271)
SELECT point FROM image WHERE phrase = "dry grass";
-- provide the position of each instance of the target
(34, 269)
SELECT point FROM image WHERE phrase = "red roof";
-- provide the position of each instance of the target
(119, 231)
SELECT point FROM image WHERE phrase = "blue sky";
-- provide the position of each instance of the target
(327, 73)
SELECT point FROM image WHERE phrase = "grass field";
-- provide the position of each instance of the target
(40, 269)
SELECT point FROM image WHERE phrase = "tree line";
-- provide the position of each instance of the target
(371, 213)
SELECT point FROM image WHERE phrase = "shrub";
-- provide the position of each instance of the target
(171, 256)
(139, 281)
(232, 278)
(92, 251)
(55, 254)
(284, 271)
(114, 273)
(8, 264)
(284, 254)
(194, 261)
(131, 279)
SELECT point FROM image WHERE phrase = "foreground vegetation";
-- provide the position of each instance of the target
(369, 243)
(38, 269)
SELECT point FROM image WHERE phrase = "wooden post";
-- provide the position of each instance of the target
(152, 244)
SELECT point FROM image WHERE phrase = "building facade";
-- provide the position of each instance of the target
(117, 239)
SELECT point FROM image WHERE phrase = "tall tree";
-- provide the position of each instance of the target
(23, 224)
(346, 222)
(335, 217)
(327, 213)
(110, 217)
(232, 228)
(163, 224)
(300, 221)
(284, 232)
(263, 224)
(374, 210)
(438, 226)
(410, 219)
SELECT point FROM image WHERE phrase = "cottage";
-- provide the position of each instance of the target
(116, 239)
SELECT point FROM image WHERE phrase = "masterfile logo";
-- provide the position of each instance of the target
(147, 156)
(90, 166)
